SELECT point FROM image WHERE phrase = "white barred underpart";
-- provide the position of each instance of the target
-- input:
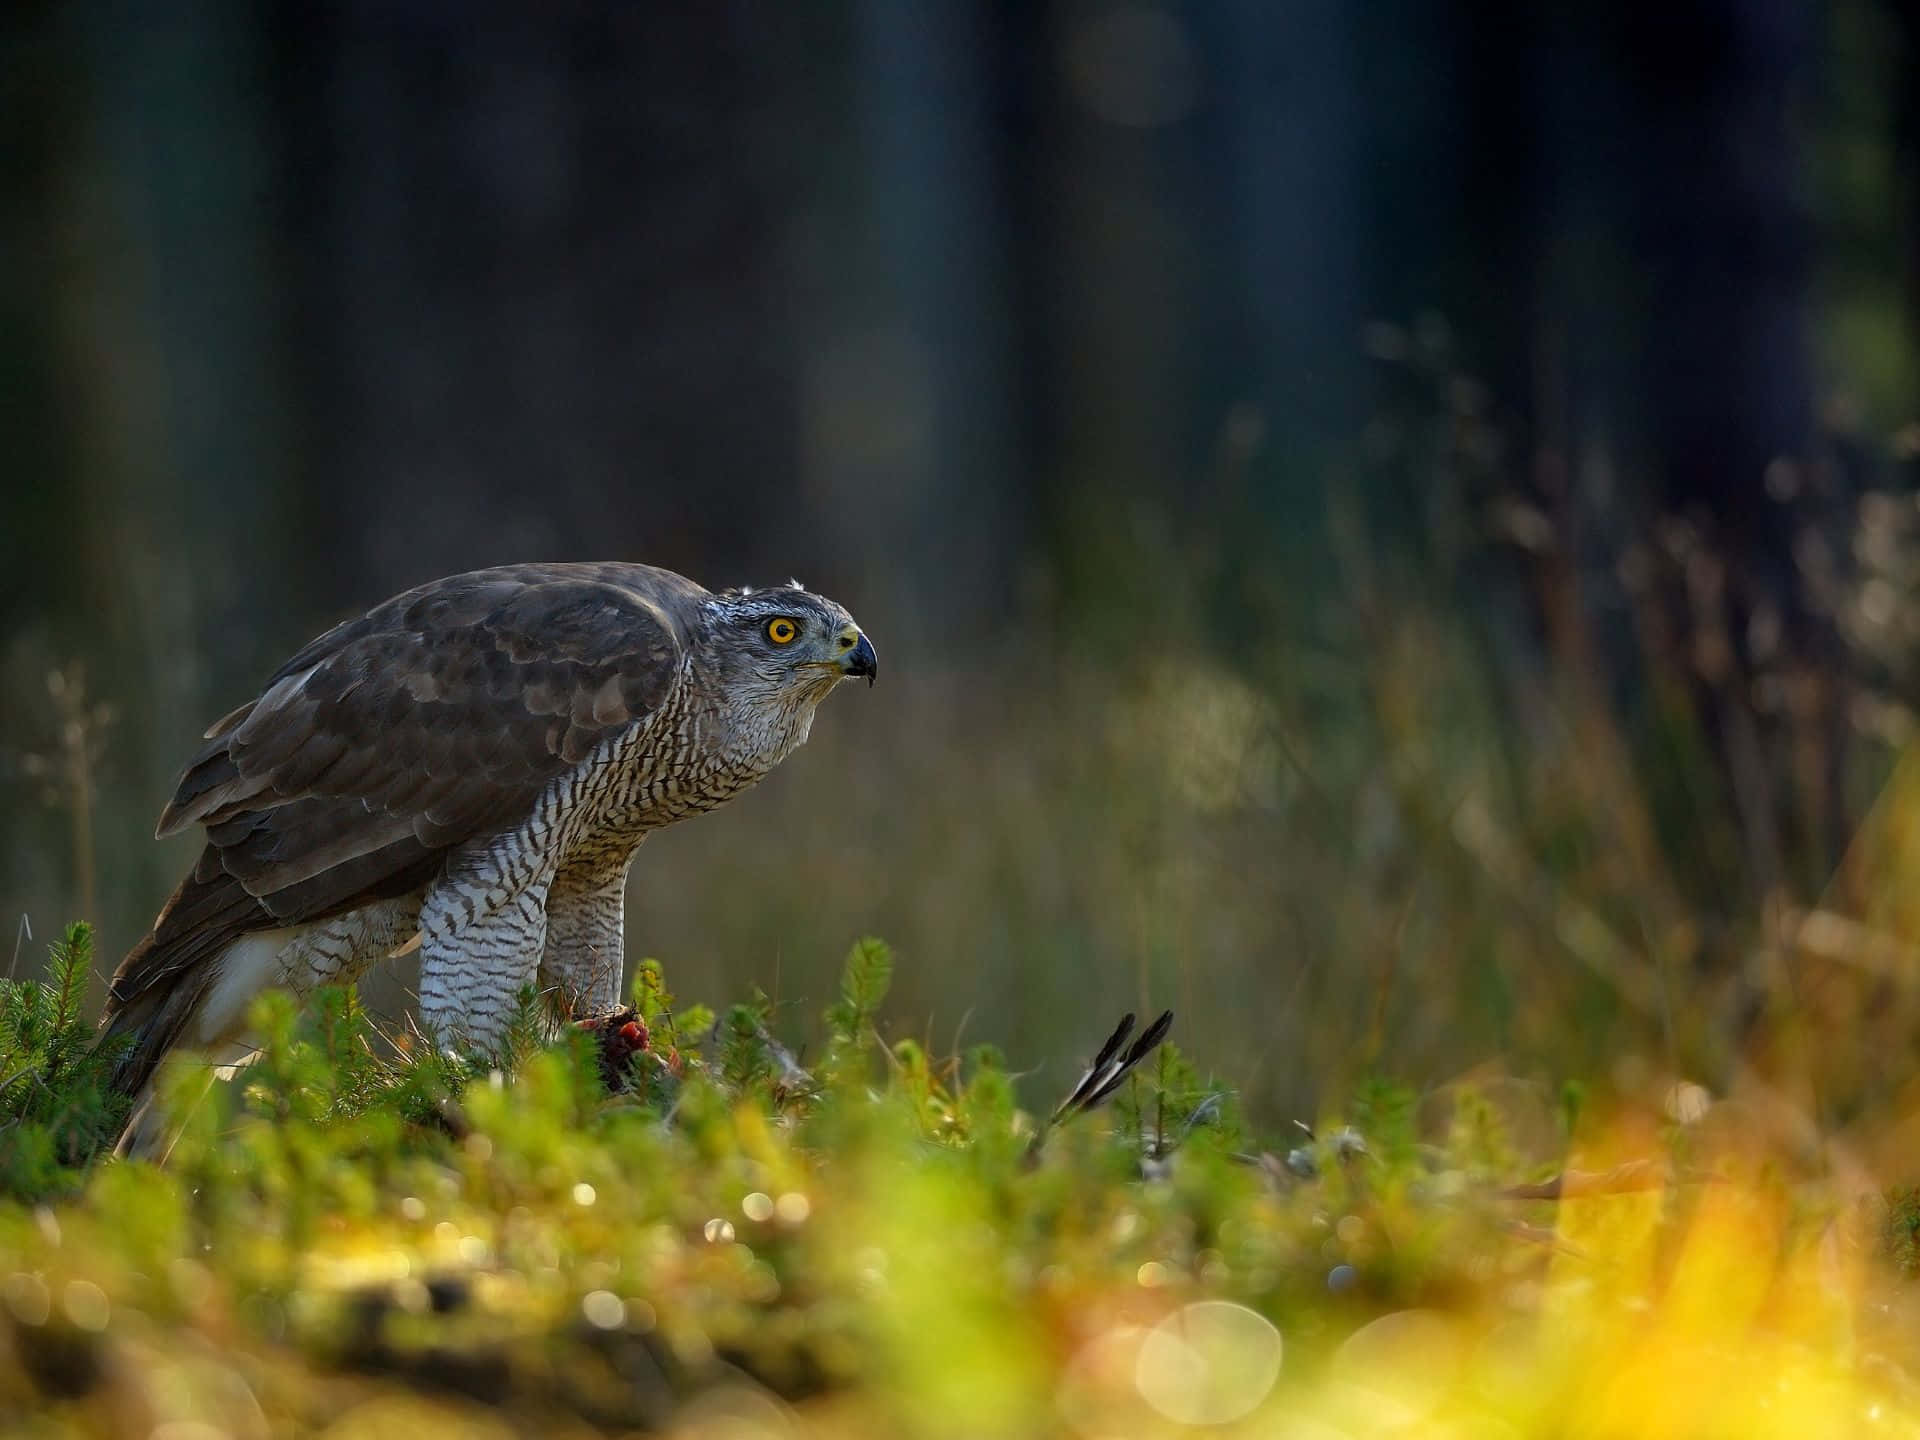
(543, 902)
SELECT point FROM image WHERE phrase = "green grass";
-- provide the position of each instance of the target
(886, 1241)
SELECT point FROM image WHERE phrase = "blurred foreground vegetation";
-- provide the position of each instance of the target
(686, 1231)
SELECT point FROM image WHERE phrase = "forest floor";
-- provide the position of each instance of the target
(672, 1226)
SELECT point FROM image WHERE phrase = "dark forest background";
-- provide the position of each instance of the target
(1390, 527)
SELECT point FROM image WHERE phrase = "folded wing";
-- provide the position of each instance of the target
(438, 717)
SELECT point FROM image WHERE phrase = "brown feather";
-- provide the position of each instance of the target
(160, 984)
(434, 718)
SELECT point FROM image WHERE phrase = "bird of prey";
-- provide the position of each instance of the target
(472, 764)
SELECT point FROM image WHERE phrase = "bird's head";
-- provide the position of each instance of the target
(788, 645)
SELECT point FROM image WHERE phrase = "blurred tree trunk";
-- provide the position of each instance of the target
(543, 271)
(1906, 139)
(1726, 365)
(152, 429)
(41, 112)
(1720, 218)
(910, 407)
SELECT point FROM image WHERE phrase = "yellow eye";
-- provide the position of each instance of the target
(782, 631)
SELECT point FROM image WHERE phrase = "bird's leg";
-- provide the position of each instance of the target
(482, 928)
(585, 950)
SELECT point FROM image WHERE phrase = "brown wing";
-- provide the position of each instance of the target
(436, 717)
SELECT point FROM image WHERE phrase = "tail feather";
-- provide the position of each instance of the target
(155, 1018)
(161, 985)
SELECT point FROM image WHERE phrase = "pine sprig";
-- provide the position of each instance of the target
(57, 1110)
(864, 981)
(70, 958)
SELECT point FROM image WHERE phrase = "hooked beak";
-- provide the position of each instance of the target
(861, 661)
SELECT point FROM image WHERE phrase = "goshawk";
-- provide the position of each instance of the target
(472, 763)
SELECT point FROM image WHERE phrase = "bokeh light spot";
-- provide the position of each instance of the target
(86, 1305)
(1208, 1363)
(603, 1309)
(27, 1298)
(1397, 1370)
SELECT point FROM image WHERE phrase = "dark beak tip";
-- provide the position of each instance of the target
(863, 661)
